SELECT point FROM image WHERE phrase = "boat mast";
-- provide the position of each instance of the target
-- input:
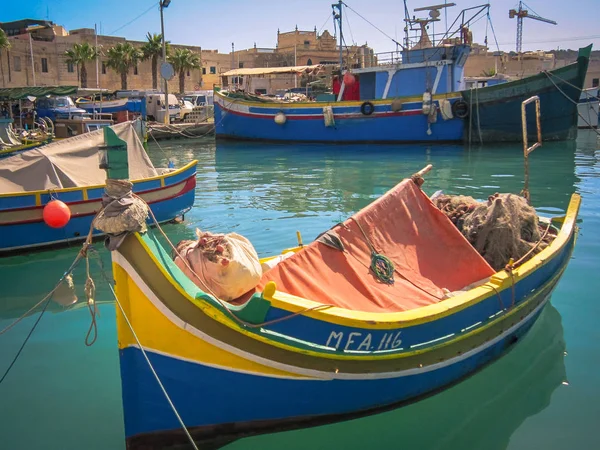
(338, 17)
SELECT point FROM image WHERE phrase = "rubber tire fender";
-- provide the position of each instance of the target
(460, 109)
(367, 108)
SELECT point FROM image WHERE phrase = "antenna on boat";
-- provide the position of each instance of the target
(434, 14)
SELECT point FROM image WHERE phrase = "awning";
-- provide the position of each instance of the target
(35, 91)
(314, 69)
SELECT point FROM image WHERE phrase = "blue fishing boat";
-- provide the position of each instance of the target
(329, 332)
(422, 98)
(69, 171)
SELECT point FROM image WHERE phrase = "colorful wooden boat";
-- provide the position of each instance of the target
(488, 114)
(321, 339)
(495, 110)
(69, 171)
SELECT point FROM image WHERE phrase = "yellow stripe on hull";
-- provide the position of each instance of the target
(158, 333)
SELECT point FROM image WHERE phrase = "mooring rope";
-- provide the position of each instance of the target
(548, 74)
(141, 347)
(46, 299)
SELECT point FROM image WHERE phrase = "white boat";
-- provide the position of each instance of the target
(588, 108)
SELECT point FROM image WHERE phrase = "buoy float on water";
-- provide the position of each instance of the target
(56, 214)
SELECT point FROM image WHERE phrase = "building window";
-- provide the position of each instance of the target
(135, 70)
(241, 65)
(70, 67)
(45, 65)
(204, 71)
(595, 82)
(307, 44)
(103, 68)
(17, 63)
(309, 62)
(213, 70)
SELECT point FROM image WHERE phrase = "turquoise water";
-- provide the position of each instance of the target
(545, 393)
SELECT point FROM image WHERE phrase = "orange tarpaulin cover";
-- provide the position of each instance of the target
(428, 252)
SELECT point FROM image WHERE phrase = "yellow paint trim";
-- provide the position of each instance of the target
(221, 317)
(157, 332)
(278, 106)
(163, 178)
(500, 281)
(38, 199)
(19, 148)
(162, 182)
(85, 194)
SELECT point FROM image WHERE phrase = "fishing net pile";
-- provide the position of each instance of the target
(502, 228)
(122, 212)
(225, 265)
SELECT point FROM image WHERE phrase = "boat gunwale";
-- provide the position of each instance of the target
(344, 103)
(497, 283)
(161, 177)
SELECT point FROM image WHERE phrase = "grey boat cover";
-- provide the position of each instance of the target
(72, 162)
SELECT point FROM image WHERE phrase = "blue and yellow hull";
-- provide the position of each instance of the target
(22, 226)
(242, 119)
(227, 377)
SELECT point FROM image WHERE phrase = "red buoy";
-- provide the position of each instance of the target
(56, 214)
(349, 79)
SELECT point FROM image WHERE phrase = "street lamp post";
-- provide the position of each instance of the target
(165, 4)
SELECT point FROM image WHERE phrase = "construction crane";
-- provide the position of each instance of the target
(520, 14)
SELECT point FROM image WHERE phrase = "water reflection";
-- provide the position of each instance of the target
(266, 192)
(302, 178)
(480, 413)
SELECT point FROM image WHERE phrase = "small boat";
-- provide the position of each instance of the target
(102, 105)
(323, 336)
(588, 108)
(68, 170)
(11, 142)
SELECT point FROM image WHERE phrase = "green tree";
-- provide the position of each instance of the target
(488, 73)
(79, 55)
(183, 60)
(153, 50)
(4, 45)
(121, 58)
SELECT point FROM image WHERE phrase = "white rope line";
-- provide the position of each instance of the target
(571, 100)
(587, 94)
(162, 387)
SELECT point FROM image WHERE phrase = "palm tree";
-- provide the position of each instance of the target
(184, 59)
(79, 55)
(121, 58)
(4, 44)
(153, 50)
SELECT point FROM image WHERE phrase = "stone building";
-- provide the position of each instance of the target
(48, 43)
(483, 62)
(37, 57)
(299, 48)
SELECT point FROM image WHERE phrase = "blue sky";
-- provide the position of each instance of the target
(216, 24)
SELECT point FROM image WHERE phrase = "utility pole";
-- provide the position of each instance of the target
(96, 47)
(164, 4)
(32, 62)
(295, 61)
